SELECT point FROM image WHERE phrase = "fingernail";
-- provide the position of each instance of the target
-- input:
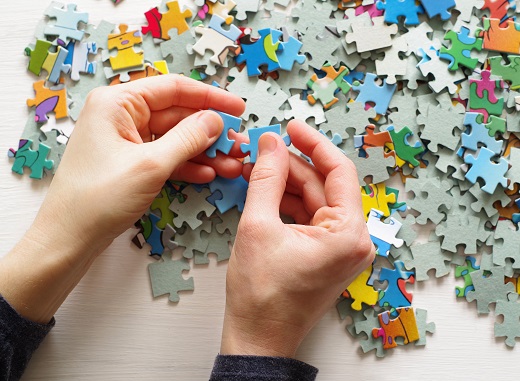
(267, 145)
(209, 124)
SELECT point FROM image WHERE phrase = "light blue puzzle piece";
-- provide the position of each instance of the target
(289, 54)
(254, 55)
(233, 193)
(395, 295)
(223, 143)
(438, 8)
(479, 134)
(482, 166)
(369, 91)
(216, 23)
(400, 8)
(254, 137)
(66, 25)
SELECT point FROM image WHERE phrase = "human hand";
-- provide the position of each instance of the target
(282, 278)
(128, 141)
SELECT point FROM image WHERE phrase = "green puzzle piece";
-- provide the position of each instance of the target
(459, 52)
(509, 72)
(402, 148)
(35, 160)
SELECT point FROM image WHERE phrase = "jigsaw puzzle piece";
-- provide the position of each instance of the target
(67, 21)
(166, 277)
(479, 134)
(124, 41)
(35, 160)
(233, 192)
(509, 72)
(395, 9)
(223, 143)
(375, 196)
(261, 52)
(404, 326)
(159, 24)
(251, 148)
(395, 295)
(501, 37)
(78, 59)
(324, 88)
(361, 291)
(370, 91)
(461, 46)
(438, 8)
(482, 166)
(464, 272)
(48, 100)
(404, 151)
(383, 233)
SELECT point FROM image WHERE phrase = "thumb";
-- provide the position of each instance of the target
(189, 138)
(268, 178)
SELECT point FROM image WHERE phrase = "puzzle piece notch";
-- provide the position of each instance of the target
(166, 277)
(370, 91)
(395, 295)
(492, 173)
(159, 24)
(325, 88)
(383, 233)
(404, 326)
(67, 21)
(224, 144)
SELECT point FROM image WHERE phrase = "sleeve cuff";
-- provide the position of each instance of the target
(245, 368)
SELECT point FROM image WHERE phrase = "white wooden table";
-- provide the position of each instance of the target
(110, 328)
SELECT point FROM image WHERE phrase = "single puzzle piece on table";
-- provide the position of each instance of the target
(260, 52)
(371, 36)
(464, 272)
(508, 72)
(188, 211)
(124, 42)
(67, 21)
(36, 160)
(41, 58)
(366, 326)
(503, 38)
(324, 88)
(395, 295)
(482, 96)
(217, 244)
(48, 100)
(459, 53)
(375, 164)
(376, 196)
(166, 277)
(251, 148)
(300, 109)
(460, 230)
(371, 92)
(508, 247)
(159, 24)
(479, 134)
(422, 326)
(192, 240)
(383, 233)
(409, 10)
(233, 192)
(489, 288)
(223, 143)
(439, 8)
(404, 151)
(361, 291)
(403, 326)
(77, 58)
(492, 173)
(428, 256)
(510, 327)
(443, 78)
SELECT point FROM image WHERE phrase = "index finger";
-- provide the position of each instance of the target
(164, 91)
(341, 181)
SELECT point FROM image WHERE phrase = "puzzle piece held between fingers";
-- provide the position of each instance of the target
(223, 143)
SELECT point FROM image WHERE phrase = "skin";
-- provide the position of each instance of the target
(128, 141)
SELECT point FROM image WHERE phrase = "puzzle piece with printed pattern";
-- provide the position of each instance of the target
(159, 24)
(251, 148)
(395, 9)
(223, 143)
(479, 134)
(361, 291)
(77, 58)
(404, 326)
(395, 295)
(498, 9)
(123, 42)
(383, 233)
(262, 51)
(461, 46)
(40, 57)
(509, 72)
(35, 160)
(482, 96)
(376, 196)
(150, 233)
(501, 37)
(324, 88)
(464, 272)
(404, 151)
(67, 20)
(372, 139)
(48, 100)
(438, 8)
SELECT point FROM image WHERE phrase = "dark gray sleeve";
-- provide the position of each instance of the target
(245, 368)
(19, 338)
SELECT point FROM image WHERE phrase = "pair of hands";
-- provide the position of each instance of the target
(281, 278)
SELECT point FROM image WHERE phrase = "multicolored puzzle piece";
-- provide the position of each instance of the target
(48, 100)
(403, 326)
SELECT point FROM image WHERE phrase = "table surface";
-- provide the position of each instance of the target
(111, 328)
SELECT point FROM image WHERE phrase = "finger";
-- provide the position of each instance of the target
(293, 206)
(268, 179)
(341, 182)
(162, 121)
(194, 173)
(165, 91)
(239, 139)
(224, 165)
(191, 137)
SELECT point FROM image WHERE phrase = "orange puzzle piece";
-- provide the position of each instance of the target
(48, 100)
(404, 325)
(496, 38)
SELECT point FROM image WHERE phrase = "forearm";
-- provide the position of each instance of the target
(38, 274)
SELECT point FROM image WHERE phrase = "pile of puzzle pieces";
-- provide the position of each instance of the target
(420, 95)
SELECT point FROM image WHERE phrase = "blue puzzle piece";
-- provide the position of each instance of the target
(479, 134)
(400, 8)
(289, 54)
(516, 216)
(370, 91)
(261, 52)
(482, 166)
(254, 137)
(155, 237)
(233, 192)
(223, 143)
(395, 295)
(438, 8)
(216, 23)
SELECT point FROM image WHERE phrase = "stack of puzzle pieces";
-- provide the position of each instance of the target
(421, 95)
